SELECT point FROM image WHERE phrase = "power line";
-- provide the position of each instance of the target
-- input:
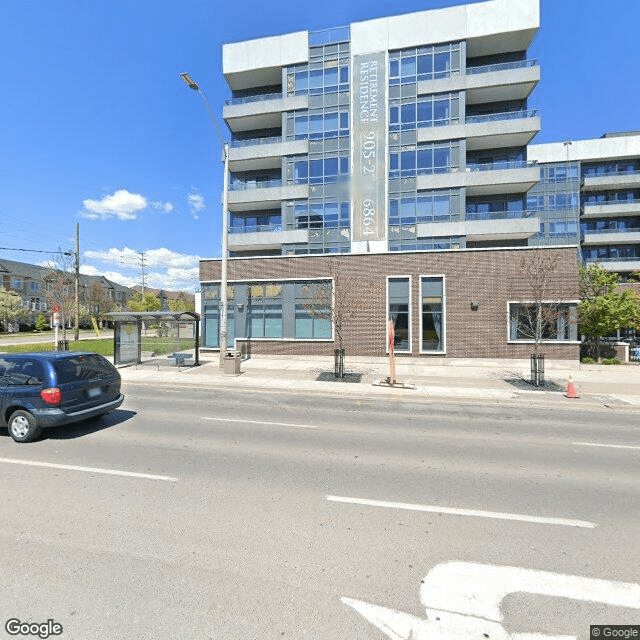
(65, 253)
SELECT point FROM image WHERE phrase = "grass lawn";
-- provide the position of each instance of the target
(104, 346)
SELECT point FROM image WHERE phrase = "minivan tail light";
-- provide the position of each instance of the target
(51, 396)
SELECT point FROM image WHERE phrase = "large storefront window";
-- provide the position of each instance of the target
(548, 321)
(277, 310)
(398, 296)
(432, 328)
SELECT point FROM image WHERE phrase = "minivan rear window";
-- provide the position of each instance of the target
(19, 370)
(85, 367)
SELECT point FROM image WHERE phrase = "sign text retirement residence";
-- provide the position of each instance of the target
(369, 125)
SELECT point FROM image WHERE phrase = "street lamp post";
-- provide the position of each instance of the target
(224, 304)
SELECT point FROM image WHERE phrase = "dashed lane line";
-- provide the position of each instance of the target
(274, 424)
(465, 512)
(68, 467)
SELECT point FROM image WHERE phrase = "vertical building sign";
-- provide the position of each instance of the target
(369, 147)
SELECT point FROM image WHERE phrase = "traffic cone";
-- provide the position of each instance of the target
(571, 390)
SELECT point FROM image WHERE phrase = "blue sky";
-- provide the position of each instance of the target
(96, 126)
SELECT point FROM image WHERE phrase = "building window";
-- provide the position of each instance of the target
(309, 325)
(398, 305)
(548, 321)
(312, 315)
(424, 159)
(432, 309)
(321, 170)
(321, 215)
(424, 63)
(264, 221)
(34, 286)
(424, 111)
(16, 283)
(427, 206)
(318, 126)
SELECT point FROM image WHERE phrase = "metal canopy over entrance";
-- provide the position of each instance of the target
(165, 332)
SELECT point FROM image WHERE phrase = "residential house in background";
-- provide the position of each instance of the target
(31, 282)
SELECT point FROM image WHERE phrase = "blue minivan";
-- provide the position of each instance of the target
(53, 388)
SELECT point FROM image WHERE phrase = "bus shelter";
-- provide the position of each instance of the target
(156, 333)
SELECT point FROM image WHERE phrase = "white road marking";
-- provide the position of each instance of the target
(68, 467)
(465, 512)
(462, 601)
(273, 424)
(610, 446)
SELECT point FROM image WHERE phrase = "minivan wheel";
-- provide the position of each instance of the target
(23, 426)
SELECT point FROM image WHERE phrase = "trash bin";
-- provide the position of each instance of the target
(231, 363)
(63, 345)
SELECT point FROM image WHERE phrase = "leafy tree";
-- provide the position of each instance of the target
(181, 304)
(98, 301)
(603, 309)
(141, 303)
(11, 308)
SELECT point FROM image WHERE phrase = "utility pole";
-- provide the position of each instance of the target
(77, 279)
(224, 303)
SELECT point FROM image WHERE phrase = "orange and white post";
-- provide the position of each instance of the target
(392, 361)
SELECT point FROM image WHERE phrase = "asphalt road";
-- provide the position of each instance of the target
(198, 514)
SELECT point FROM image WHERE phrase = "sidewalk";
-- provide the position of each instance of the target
(447, 380)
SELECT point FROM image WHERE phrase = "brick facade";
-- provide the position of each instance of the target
(490, 277)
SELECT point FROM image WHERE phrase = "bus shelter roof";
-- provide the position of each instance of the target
(158, 316)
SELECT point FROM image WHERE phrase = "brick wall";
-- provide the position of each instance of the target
(489, 277)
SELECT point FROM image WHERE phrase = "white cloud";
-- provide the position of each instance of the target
(171, 270)
(165, 207)
(196, 204)
(114, 276)
(121, 205)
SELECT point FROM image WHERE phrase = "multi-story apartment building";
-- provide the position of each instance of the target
(592, 188)
(395, 150)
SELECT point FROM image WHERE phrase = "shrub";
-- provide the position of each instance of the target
(611, 361)
(588, 360)
(41, 323)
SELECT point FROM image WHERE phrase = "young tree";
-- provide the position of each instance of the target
(540, 313)
(181, 303)
(58, 284)
(148, 302)
(11, 308)
(603, 309)
(41, 323)
(98, 301)
(339, 304)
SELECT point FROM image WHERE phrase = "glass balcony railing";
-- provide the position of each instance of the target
(254, 184)
(610, 259)
(591, 232)
(500, 166)
(502, 66)
(501, 215)
(257, 228)
(631, 171)
(253, 142)
(257, 98)
(507, 115)
(611, 203)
